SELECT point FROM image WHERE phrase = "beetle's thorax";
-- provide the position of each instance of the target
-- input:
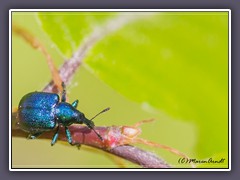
(66, 114)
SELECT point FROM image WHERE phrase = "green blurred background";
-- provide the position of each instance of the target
(170, 66)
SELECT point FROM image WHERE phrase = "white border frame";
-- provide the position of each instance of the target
(128, 10)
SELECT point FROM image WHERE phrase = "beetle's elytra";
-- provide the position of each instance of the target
(39, 112)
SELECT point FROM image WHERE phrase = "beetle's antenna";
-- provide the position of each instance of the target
(100, 113)
(92, 127)
(100, 137)
(63, 92)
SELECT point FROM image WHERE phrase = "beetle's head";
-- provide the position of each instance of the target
(90, 124)
(83, 120)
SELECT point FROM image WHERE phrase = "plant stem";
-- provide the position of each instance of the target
(85, 136)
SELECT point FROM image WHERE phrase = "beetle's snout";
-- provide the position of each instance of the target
(83, 120)
(89, 123)
(80, 118)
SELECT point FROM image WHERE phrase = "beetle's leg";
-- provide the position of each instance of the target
(69, 138)
(55, 137)
(75, 104)
(68, 134)
(34, 136)
(63, 99)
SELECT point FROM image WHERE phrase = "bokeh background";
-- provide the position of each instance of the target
(171, 66)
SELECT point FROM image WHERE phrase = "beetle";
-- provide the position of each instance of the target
(39, 112)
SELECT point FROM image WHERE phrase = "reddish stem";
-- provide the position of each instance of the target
(84, 135)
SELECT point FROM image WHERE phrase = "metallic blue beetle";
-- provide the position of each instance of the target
(39, 112)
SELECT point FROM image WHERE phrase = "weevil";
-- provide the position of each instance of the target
(39, 112)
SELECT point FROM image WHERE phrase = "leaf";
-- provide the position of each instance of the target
(174, 62)
(67, 30)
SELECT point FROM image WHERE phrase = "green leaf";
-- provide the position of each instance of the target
(172, 62)
(68, 29)
(176, 63)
